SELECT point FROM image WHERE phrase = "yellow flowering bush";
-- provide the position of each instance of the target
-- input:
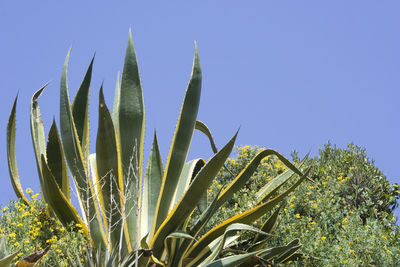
(343, 218)
(30, 228)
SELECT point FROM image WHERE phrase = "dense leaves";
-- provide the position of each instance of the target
(343, 217)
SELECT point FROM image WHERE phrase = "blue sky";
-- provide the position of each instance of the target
(292, 75)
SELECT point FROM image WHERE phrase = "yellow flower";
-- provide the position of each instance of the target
(351, 251)
(28, 190)
(323, 238)
(5, 208)
(35, 196)
(12, 235)
(345, 261)
(26, 241)
(388, 251)
(16, 244)
(20, 225)
(298, 216)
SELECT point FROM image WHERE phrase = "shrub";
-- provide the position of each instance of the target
(30, 228)
(343, 217)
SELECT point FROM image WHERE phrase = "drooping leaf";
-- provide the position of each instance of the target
(180, 144)
(61, 206)
(204, 129)
(11, 158)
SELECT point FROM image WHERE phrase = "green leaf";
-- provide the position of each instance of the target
(246, 217)
(204, 129)
(61, 206)
(56, 160)
(71, 143)
(80, 111)
(151, 187)
(116, 102)
(231, 228)
(131, 132)
(191, 197)
(109, 173)
(266, 191)
(37, 133)
(189, 172)
(180, 145)
(11, 158)
(76, 162)
(248, 171)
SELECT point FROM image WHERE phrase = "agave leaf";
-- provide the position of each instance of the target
(232, 228)
(61, 206)
(131, 133)
(295, 246)
(71, 143)
(246, 217)
(171, 240)
(201, 222)
(266, 191)
(80, 111)
(231, 261)
(6, 261)
(273, 252)
(12, 161)
(109, 173)
(269, 224)
(189, 172)
(191, 197)
(248, 171)
(56, 160)
(204, 129)
(116, 102)
(151, 187)
(33, 258)
(37, 133)
(76, 162)
(180, 144)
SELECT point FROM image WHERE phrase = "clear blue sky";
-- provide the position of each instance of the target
(292, 74)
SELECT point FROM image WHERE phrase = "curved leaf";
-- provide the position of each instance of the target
(191, 197)
(63, 208)
(246, 217)
(204, 129)
(248, 171)
(180, 144)
(37, 133)
(11, 159)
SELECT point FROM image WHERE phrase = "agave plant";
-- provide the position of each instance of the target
(137, 212)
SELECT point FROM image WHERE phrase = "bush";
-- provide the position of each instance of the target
(343, 217)
(30, 228)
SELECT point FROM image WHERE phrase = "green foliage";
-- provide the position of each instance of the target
(121, 211)
(30, 228)
(343, 217)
